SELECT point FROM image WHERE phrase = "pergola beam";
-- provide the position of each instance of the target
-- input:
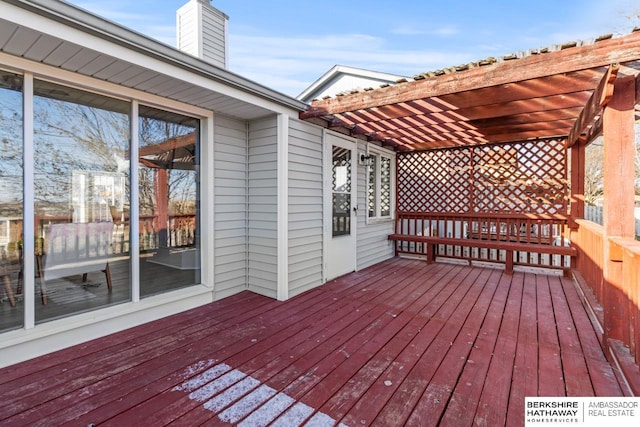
(530, 67)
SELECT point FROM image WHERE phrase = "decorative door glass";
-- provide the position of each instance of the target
(341, 190)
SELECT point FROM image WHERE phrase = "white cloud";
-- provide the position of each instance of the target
(442, 31)
(291, 64)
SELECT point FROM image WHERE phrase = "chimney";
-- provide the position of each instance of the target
(202, 32)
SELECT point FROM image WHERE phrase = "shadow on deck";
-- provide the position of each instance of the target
(402, 342)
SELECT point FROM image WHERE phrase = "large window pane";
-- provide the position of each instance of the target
(169, 201)
(81, 164)
(11, 197)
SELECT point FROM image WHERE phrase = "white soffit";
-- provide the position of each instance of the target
(63, 36)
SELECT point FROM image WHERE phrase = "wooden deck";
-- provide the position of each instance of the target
(400, 343)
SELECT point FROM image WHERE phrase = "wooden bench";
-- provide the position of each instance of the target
(509, 248)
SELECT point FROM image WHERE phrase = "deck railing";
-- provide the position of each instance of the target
(180, 231)
(503, 238)
(620, 302)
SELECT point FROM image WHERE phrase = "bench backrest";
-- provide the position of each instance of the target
(76, 248)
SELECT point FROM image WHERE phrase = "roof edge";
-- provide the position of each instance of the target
(337, 69)
(67, 14)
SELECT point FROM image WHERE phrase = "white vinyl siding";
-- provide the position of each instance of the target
(201, 32)
(213, 37)
(187, 27)
(305, 207)
(263, 221)
(230, 255)
(372, 245)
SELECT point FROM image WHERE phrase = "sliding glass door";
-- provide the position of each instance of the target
(82, 199)
(85, 244)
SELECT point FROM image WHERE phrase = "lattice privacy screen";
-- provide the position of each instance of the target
(524, 177)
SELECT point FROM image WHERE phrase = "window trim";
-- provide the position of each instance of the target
(378, 153)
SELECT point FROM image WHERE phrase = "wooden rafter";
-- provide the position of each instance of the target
(598, 100)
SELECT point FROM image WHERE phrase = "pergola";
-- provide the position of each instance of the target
(490, 157)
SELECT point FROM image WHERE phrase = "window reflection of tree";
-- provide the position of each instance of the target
(75, 131)
(180, 163)
(10, 145)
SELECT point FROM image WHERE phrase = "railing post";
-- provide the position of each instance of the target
(577, 183)
(619, 154)
(431, 253)
(508, 268)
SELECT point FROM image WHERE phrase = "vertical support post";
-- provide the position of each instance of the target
(619, 144)
(431, 252)
(508, 268)
(577, 183)
(161, 183)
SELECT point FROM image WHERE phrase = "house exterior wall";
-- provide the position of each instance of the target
(238, 173)
(305, 207)
(263, 222)
(230, 177)
(372, 243)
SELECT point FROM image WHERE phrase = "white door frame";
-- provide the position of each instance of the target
(340, 251)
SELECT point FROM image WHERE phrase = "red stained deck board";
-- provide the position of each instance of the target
(110, 342)
(193, 334)
(326, 364)
(372, 370)
(111, 363)
(575, 371)
(400, 406)
(359, 362)
(173, 404)
(601, 374)
(494, 400)
(462, 406)
(551, 382)
(128, 366)
(412, 325)
(321, 371)
(525, 366)
(251, 359)
(174, 408)
(376, 396)
(127, 382)
(436, 397)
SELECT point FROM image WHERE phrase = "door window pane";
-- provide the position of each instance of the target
(11, 197)
(341, 178)
(169, 201)
(81, 165)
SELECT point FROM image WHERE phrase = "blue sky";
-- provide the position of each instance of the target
(287, 45)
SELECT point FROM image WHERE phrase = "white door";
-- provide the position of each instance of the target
(340, 205)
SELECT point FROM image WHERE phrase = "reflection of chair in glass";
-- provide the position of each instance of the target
(77, 248)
